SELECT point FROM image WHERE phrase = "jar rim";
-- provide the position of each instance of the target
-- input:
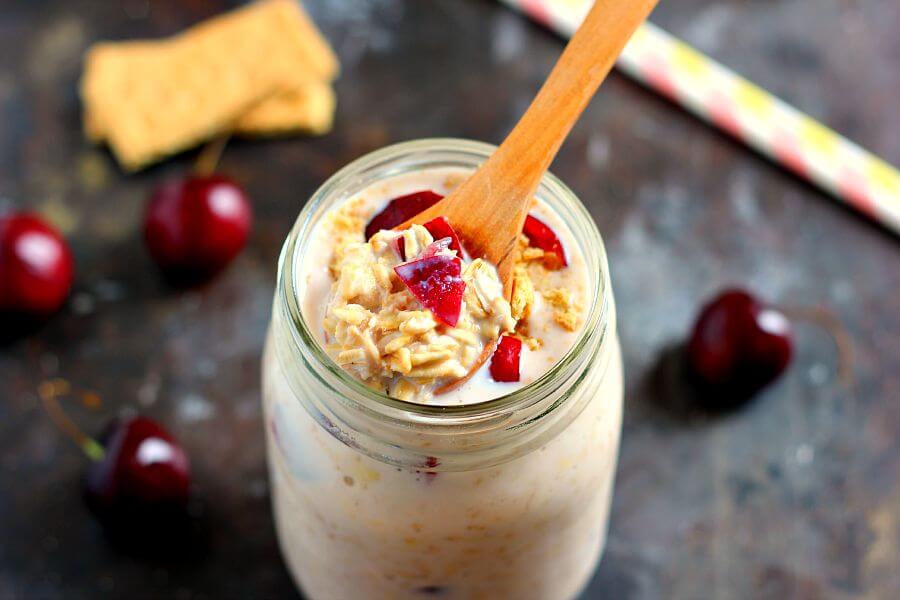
(371, 400)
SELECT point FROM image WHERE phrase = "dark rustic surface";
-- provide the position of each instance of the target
(795, 496)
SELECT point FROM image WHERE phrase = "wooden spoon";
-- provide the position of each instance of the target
(488, 210)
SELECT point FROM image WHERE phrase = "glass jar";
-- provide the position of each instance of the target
(379, 498)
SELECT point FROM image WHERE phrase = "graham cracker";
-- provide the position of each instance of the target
(307, 109)
(151, 99)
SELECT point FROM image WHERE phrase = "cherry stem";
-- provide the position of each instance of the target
(821, 316)
(208, 160)
(91, 448)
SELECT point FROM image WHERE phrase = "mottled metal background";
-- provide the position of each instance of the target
(795, 496)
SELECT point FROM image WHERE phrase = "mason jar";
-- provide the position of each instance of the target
(379, 498)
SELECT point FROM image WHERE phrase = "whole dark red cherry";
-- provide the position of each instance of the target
(142, 463)
(194, 227)
(139, 489)
(36, 266)
(738, 346)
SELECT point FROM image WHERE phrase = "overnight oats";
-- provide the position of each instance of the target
(394, 473)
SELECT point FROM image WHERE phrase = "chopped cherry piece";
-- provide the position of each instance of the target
(505, 361)
(541, 236)
(36, 266)
(402, 209)
(194, 227)
(440, 228)
(738, 346)
(435, 282)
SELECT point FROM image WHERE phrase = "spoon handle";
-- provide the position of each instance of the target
(489, 208)
(584, 64)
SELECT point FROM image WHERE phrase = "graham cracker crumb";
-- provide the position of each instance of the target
(347, 225)
(558, 297)
(565, 308)
(567, 320)
(527, 253)
(522, 294)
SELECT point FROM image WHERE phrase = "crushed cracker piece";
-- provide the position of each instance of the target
(522, 294)
(558, 297)
(532, 343)
(568, 320)
(566, 311)
(531, 254)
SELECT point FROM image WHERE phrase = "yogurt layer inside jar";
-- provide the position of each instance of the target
(409, 312)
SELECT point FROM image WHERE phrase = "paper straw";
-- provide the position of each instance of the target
(744, 110)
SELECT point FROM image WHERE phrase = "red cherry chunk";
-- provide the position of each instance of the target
(541, 236)
(435, 282)
(440, 228)
(738, 345)
(196, 226)
(505, 361)
(36, 266)
(399, 210)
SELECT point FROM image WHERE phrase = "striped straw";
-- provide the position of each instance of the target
(744, 110)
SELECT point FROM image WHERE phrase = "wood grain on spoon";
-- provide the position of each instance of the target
(488, 210)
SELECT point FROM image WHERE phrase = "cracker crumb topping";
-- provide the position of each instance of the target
(566, 309)
(522, 293)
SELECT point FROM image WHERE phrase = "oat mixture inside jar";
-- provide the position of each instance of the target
(409, 312)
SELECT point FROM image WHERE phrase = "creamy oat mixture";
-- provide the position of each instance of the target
(376, 329)
(374, 326)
